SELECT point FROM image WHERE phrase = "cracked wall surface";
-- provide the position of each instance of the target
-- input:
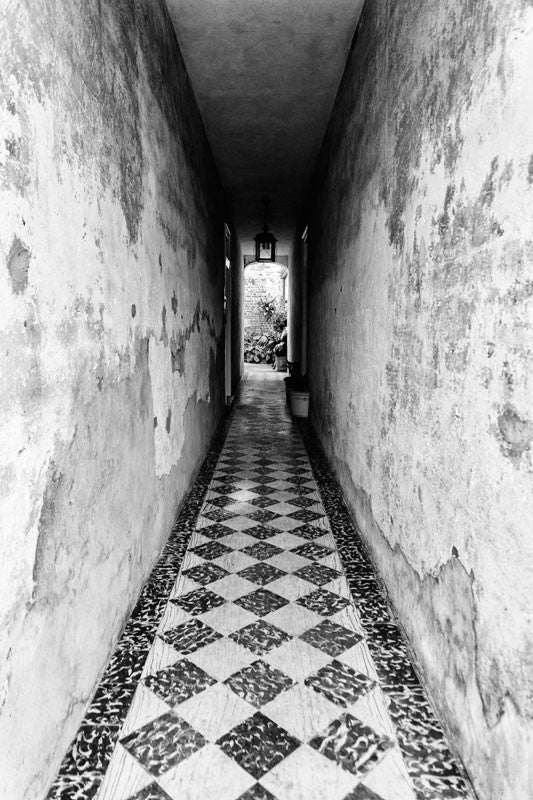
(421, 323)
(111, 345)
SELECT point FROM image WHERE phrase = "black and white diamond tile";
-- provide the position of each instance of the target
(352, 745)
(260, 637)
(261, 602)
(198, 601)
(339, 683)
(205, 573)
(177, 683)
(262, 550)
(163, 743)
(318, 574)
(190, 636)
(331, 638)
(258, 744)
(252, 675)
(262, 573)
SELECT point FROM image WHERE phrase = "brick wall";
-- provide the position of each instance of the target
(261, 281)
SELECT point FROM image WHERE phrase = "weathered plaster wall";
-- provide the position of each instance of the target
(111, 347)
(421, 326)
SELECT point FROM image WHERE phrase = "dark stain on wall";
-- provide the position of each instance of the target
(530, 171)
(516, 433)
(18, 265)
(177, 352)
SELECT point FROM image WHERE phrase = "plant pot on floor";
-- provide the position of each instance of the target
(281, 363)
(299, 402)
(297, 387)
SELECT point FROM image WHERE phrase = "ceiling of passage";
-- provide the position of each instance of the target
(265, 74)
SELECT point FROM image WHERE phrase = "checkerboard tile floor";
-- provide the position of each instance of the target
(257, 665)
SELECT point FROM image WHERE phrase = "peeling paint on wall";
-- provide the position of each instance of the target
(111, 219)
(422, 366)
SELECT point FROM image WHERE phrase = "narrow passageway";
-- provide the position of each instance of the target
(261, 661)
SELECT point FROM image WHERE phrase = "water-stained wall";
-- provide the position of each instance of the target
(421, 326)
(111, 344)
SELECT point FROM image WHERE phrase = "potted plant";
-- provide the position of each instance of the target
(297, 387)
(280, 353)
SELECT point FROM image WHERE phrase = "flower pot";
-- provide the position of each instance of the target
(281, 363)
(299, 403)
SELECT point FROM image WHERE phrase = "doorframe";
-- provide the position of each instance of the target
(227, 315)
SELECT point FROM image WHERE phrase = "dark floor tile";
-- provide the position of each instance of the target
(323, 602)
(353, 746)
(261, 602)
(198, 601)
(312, 550)
(216, 531)
(224, 488)
(177, 683)
(262, 550)
(305, 515)
(221, 501)
(319, 574)
(258, 744)
(206, 573)
(262, 502)
(261, 532)
(361, 792)
(163, 743)
(218, 514)
(190, 636)
(331, 638)
(340, 683)
(259, 683)
(257, 792)
(210, 550)
(262, 490)
(303, 502)
(260, 637)
(261, 573)
(309, 532)
(151, 792)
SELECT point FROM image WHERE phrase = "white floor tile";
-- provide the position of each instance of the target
(215, 711)
(307, 775)
(208, 773)
(390, 779)
(302, 711)
(228, 618)
(124, 777)
(297, 659)
(293, 618)
(222, 658)
(291, 587)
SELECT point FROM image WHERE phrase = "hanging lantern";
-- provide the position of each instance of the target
(265, 243)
